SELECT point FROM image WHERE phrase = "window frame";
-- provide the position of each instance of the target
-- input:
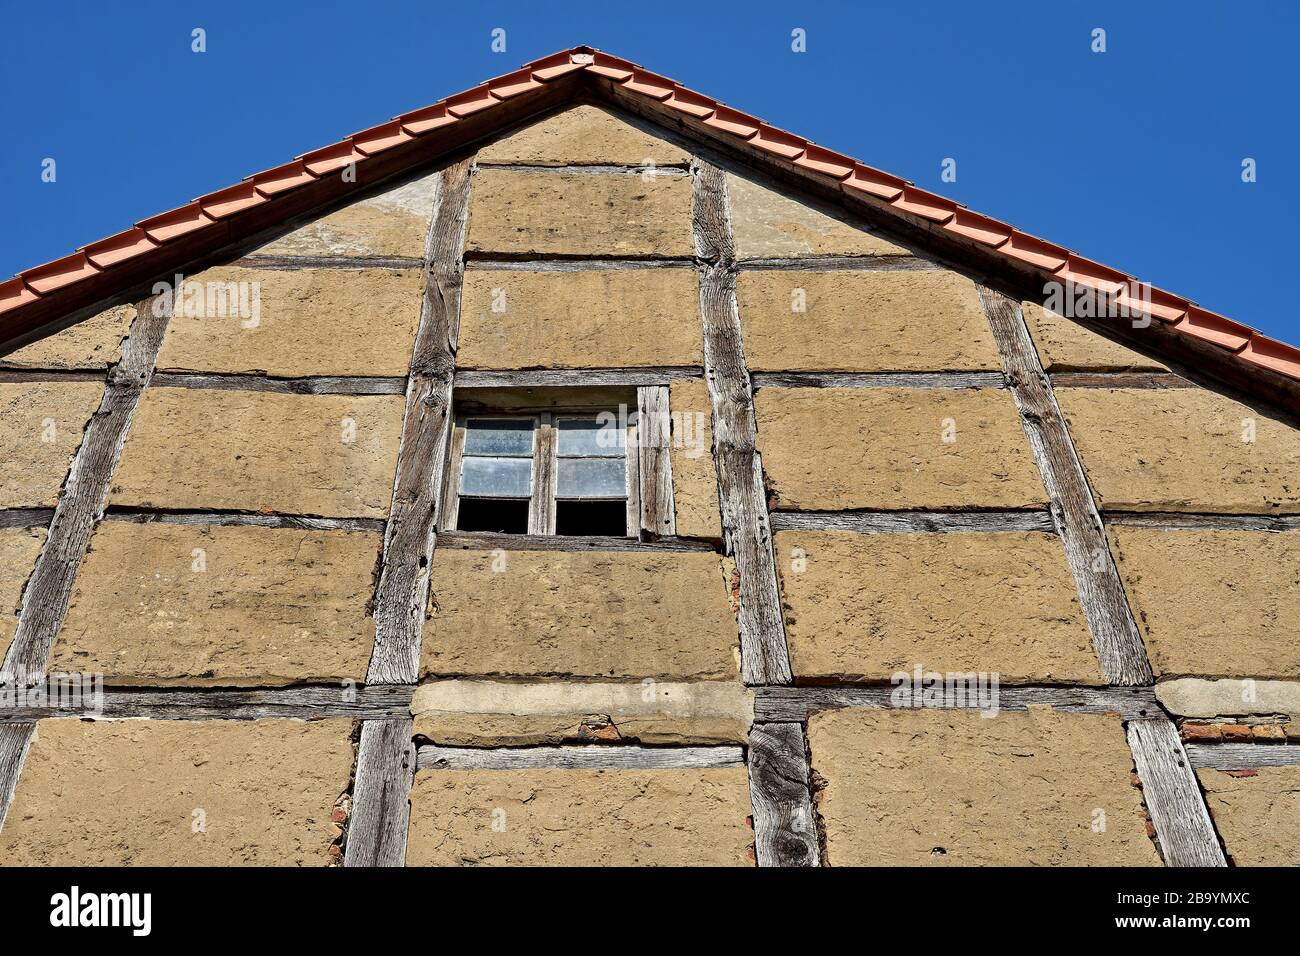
(545, 468)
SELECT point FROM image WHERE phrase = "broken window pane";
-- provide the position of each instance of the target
(591, 436)
(496, 477)
(591, 478)
(499, 436)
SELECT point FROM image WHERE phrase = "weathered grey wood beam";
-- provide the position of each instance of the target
(1101, 593)
(15, 739)
(667, 169)
(533, 378)
(785, 827)
(840, 264)
(381, 794)
(45, 599)
(654, 464)
(1173, 797)
(491, 541)
(592, 757)
(476, 260)
(246, 518)
(939, 522)
(1208, 522)
(879, 380)
(764, 658)
(328, 262)
(796, 704)
(26, 517)
(1242, 756)
(402, 593)
(311, 385)
(1120, 380)
(304, 703)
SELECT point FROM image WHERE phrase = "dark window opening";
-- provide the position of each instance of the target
(500, 515)
(591, 518)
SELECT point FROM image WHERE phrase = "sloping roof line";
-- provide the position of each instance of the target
(1023, 250)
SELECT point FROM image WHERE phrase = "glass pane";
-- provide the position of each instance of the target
(591, 478)
(496, 477)
(499, 436)
(591, 436)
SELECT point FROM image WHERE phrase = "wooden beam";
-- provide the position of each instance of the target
(785, 828)
(381, 794)
(654, 464)
(1173, 797)
(764, 658)
(561, 377)
(796, 704)
(311, 385)
(900, 263)
(592, 757)
(26, 517)
(242, 518)
(15, 739)
(1196, 522)
(1101, 593)
(667, 169)
(1120, 380)
(402, 592)
(305, 703)
(492, 541)
(258, 261)
(45, 599)
(1242, 756)
(938, 522)
(879, 380)
(574, 262)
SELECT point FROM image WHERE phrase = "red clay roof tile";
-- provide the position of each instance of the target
(691, 103)
(602, 64)
(874, 182)
(555, 65)
(281, 178)
(922, 203)
(327, 159)
(1272, 354)
(119, 248)
(55, 275)
(982, 229)
(733, 121)
(381, 137)
(175, 222)
(1037, 252)
(1086, 272)
(827, 162)
(421, 121)
(1222, 331)
(1142, 298)
(471, 101)
(513, 84)
(779, 142)
(232, 199)
(651, 84)
(14, 293)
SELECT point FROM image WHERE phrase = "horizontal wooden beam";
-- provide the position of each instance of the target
(311, 385)
(1196, 522)
(328, 262)
(878, 380)
(592, 757)
(795, 704)
(1242, 756)
(839, 264)
(491, 541)
(534, 378)
(307, 703)
(26, 517)
(22, 376)
(872, 522)
(571, 262)
(243, 518)
(1120, 380)
(649, 171)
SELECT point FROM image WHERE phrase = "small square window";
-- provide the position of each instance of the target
(548, 469)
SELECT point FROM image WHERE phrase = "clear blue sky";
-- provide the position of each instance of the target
(1132, 156)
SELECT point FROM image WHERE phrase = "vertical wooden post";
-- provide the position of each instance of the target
(654, 462)
(1172, 794)
(764, 658)
(785, 829)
